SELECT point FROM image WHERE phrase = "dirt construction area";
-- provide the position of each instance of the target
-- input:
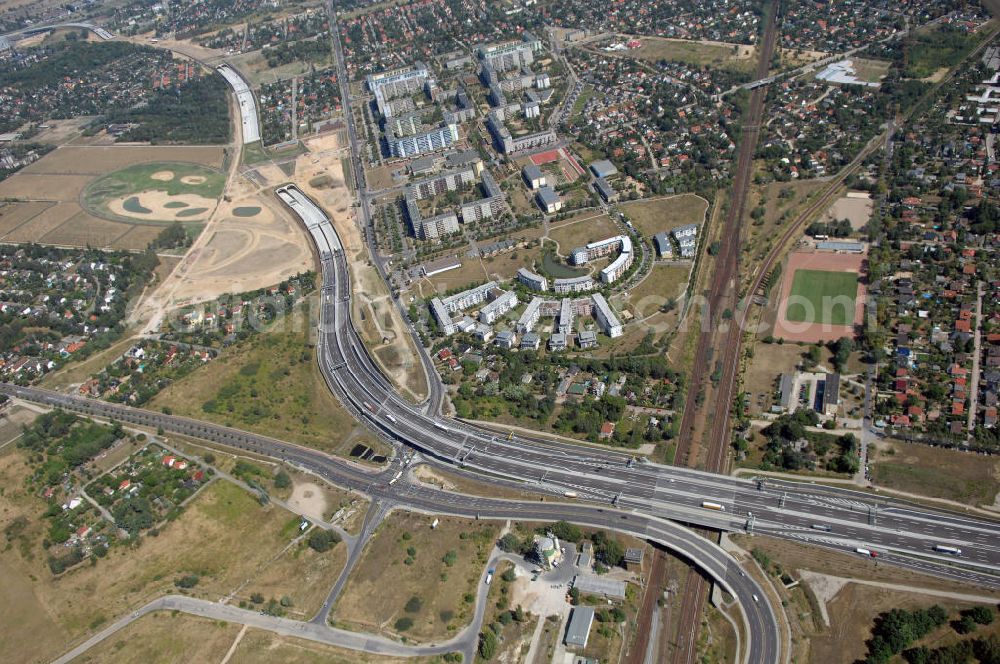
(809, 314)
(376, 318)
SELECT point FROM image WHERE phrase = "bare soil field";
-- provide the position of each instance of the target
(61, 132)
(238, 254)
(856, 210)
(738, 57)
(768, 363)
(664, 282)
(663, 214)
(471, 272)
(380, 590)
(260, 647)
(852, 614)
(813, 332)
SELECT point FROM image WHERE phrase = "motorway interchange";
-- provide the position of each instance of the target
(615, 491)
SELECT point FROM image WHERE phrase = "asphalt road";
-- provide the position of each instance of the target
(641, 499)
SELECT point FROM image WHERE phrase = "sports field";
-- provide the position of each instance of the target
(823, 297)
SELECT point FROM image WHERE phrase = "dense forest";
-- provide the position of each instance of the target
(195, 112)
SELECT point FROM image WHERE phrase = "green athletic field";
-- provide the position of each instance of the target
(817, 287)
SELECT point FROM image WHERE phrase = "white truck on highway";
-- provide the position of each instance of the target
(709, 505)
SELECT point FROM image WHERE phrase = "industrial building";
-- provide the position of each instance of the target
(578, 631)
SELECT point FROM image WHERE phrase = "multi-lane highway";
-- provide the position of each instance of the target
(639, 498)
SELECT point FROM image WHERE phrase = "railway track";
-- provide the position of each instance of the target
(725, 285)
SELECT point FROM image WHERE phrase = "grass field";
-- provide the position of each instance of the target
(824, 292)
(662, 214)
(154, 638)
(582, 230)
(269, 384)
(380, 590)
(937, 472)
(735, 57)
(663, 283)
(183, 178)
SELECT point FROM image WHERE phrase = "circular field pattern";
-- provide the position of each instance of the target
(246, 211)
(157, 191)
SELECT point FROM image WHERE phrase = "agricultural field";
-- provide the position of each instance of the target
(813, 289)
(416, 581)
(45, 197)
(663, 214)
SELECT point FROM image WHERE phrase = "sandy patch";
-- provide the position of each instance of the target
(155, 202)
(858, 211)
(191, 179)
(236, 254)
(307, 498)
(163, 176)
(825, 588)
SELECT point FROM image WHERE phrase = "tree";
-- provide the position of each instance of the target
(509, 575)
(413, 605)
(282, 480)
(189, 581)
(509, 543)
(323, 540)
(965, 624)
(404, 624)
(983, 615)
(487, 644)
